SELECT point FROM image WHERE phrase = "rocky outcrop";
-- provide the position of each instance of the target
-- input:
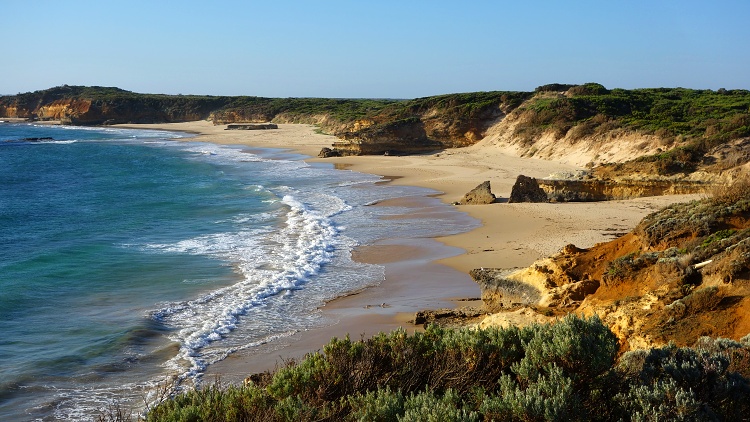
(546, 284)
(682, 273)
(449, 317)
(586, 188)
(328, 152)
(526, 189)
(501, 289)
(520, 318)
(608, 190)
(399, 137)
(252, 126)
(480, 195)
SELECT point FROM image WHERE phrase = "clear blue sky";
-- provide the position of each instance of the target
(377, 49)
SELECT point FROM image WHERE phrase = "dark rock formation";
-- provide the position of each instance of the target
(328, 152)
(448, 317)
(46, 138)
(526, 189)
(479, 195)
(252, 126)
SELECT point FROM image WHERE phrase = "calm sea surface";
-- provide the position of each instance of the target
(128, 258)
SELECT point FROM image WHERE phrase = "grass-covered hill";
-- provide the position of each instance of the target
(104, 105)
(691, 124)
(671, 130)
(712, 116)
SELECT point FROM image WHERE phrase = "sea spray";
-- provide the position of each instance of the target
(270, 262)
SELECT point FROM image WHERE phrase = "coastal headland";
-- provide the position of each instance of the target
(432, 273)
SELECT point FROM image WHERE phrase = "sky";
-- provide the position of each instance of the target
(372, 49)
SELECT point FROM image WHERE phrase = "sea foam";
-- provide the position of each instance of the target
(269, 263)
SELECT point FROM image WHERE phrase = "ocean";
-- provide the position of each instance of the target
(131, 260)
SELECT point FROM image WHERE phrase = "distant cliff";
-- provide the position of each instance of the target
(99, 105)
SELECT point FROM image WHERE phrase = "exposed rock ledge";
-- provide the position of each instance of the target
(457, 317)
(538, 286)
(252, 126)
(609, 190)
(589, 189)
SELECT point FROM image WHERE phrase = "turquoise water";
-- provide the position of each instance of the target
(128, 258)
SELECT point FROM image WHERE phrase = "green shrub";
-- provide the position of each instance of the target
(293, 408)
(682, 383)
(217, 404)
(303, 378)
(551, 372)
(382, 405)
(590, 88)
(550, 397)
(665, 400)
(583, 349)
(427, 407)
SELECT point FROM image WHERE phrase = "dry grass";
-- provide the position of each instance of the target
(732, 193)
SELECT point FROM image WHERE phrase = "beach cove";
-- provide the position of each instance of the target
(429, 273)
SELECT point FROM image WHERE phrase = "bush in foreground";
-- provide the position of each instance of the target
(552, 372)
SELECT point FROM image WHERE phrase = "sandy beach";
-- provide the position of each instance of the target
(431, 273)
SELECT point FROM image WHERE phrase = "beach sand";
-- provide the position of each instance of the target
(432, 273)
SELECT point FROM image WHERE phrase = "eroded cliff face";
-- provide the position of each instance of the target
(518, 134)
(404, 136)
(683, 273)
(64, 110)
(608, 190)
(224, 117)
(582, 187)
(426, 126)
(14, 112)
(97, 105)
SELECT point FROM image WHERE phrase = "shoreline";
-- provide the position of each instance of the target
(509, 235)
(384, 307)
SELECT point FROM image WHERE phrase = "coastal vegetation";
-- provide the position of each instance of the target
(714, 115)
(694, 121)
(568, 370)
